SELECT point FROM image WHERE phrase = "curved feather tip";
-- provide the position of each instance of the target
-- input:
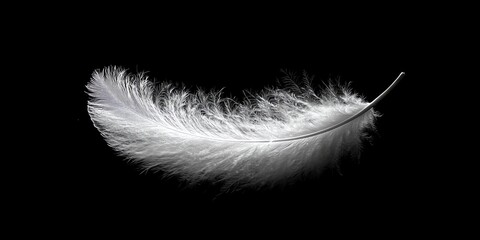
(272, 138)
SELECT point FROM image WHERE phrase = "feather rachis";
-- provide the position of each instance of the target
(203, 136)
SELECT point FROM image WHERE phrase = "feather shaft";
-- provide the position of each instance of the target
(270, 138)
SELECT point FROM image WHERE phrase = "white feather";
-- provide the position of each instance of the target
(269, 140)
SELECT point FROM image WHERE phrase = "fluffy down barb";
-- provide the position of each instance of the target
(272, 138)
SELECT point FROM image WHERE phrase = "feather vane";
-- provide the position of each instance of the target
(269, 139)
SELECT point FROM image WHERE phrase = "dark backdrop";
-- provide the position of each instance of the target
(240, 52)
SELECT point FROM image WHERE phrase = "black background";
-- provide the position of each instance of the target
(238, 50)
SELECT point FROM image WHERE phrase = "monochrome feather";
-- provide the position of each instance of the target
(271, 138)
